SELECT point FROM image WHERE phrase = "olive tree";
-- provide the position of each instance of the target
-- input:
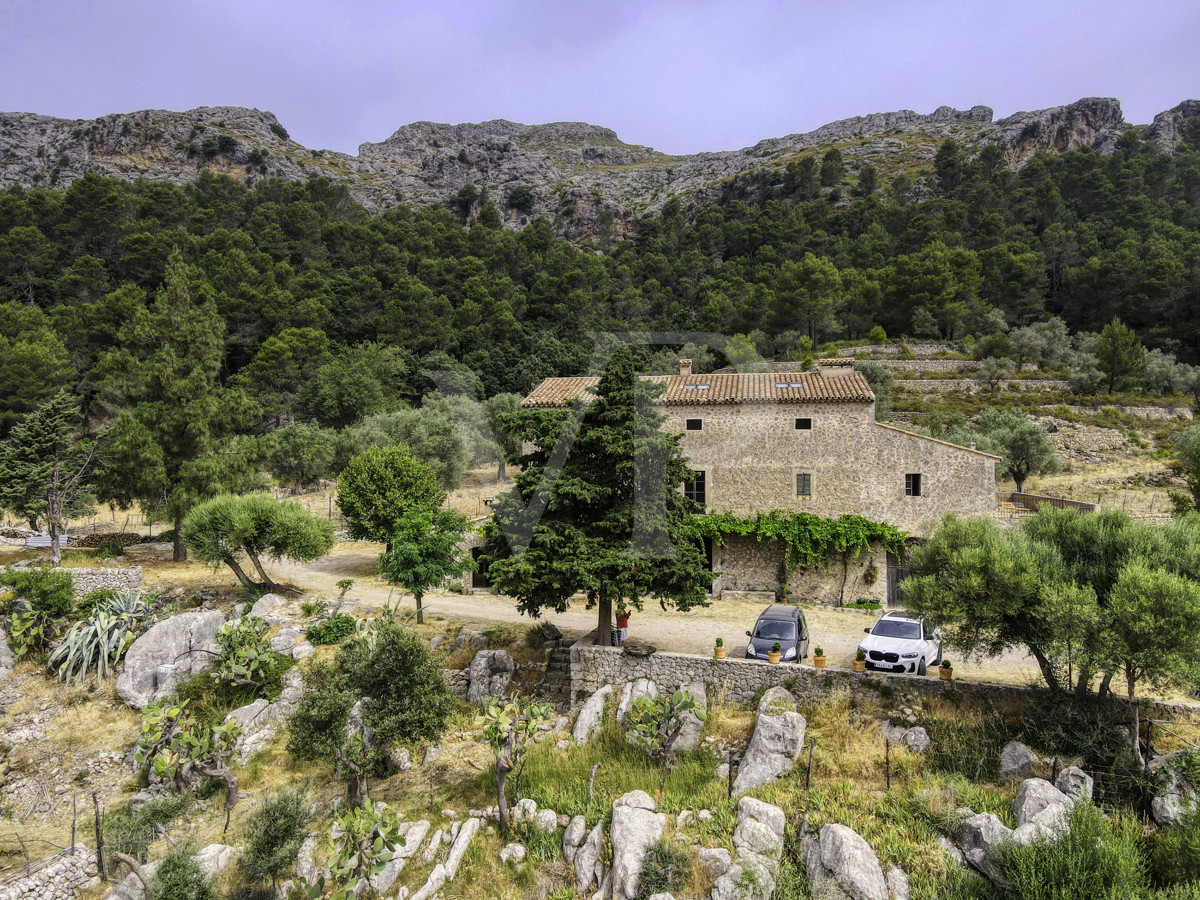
(228, 528)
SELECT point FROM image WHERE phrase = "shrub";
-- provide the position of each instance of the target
(1097, 858)
(96, 644)
(877, 335)
(1175, 853)
(405, 696)
(179, 877)
(88, 604)
(315, 728)
(666, 870)
(311, 609)
(131, 833)
(109, 549)
(332, 631)
(246, 655)
(48, 591)
(176, 746)
(273, 834)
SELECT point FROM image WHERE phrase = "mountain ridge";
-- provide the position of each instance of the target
(571, 170)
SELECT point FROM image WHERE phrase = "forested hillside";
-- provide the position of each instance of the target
(320, 311)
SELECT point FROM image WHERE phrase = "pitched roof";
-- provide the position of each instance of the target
(745, 387)
(934, 440)
(836, 361)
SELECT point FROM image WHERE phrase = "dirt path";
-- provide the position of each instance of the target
(837, 631)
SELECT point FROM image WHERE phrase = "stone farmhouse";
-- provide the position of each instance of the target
(805, 441)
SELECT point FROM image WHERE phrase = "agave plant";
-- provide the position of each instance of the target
(96, 644)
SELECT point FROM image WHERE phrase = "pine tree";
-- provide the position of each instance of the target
(173, 440)
(44, 470)
(605, 517)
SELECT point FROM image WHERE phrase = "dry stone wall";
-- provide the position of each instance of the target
(738, 681)
(88, 580)
(64, 877)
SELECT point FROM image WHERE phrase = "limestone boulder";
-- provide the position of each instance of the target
(977, 837)
(382, 881)
(8, 659)
(1075, 783)
(466, 833)
(634, 690)
(636, 827)
(693, 728)
(258, 722)
(588, 721)
(840, 855)
(917, 740)
(715, 861)
(758, 844)
(546, 821)
(489, 675)
(1035, 797)
(1017, 762)
(588, 868)
(214, 858)
(181, 641)
(1174, 799)
(776, 743)
(271, 609)
(573, 838)
(512, 853)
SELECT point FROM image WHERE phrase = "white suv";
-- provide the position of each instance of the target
(900, 644)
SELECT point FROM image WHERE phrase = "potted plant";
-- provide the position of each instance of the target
(773, 653)
(860, 661)
(719, 649)
(819, 657)
(945, 670)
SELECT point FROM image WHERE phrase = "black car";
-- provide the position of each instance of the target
(779, 624)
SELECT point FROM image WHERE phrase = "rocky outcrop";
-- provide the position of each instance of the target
(567, 171)
(777, 740)
(1075, 783)
(636, 827)
(589, 869)
(182, 645)
(588, 721)
(1167, 129)
(693, 728)
(1175, 796)
(978, 836)
(573, 838)
(634, 690)
(758, 843)
(490, 673)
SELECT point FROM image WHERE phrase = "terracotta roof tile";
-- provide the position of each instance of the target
(748, 387)
(834, 361)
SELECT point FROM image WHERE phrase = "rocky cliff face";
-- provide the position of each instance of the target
(568, 171)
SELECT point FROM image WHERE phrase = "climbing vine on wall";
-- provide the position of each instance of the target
(807, 539)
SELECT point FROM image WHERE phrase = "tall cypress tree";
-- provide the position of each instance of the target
(172, 443)
(602, 514)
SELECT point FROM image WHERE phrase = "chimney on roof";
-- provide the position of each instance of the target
(685, 367)
(835, 367)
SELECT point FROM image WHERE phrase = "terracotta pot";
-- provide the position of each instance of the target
(819, 662)
(860, 665)
(719, 652)
(945, 674)
(772, 657)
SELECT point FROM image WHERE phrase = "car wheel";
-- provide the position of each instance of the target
(921, 666)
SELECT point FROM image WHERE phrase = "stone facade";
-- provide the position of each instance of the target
(747, 564)
(751, 455)
(87, 580)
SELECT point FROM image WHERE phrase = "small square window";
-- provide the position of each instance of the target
(912, 485)
(695, 424)
(804, 485)
(694, 489)
(804, 424)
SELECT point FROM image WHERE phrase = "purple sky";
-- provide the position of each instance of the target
(680, 75)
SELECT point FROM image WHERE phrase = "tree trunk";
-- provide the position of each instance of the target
(241, 575)
(501, 470)
(1046, 667)
(604, 622)
(266, 579)
(180, 554)
(55, 545)
(1020, 484)
(501, 795)
(420, 610)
